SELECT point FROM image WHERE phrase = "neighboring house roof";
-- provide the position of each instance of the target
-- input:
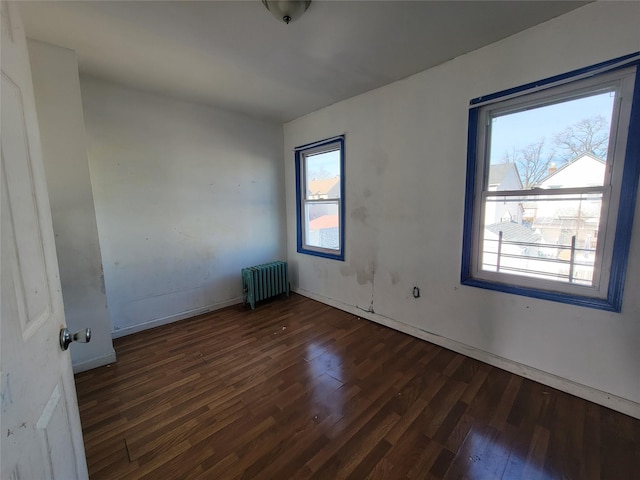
(514, 232)
(325, 221)
(499, 172)
(571, 163)
(324, 186)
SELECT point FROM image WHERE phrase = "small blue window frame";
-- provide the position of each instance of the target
(299, 156)
(628, 191)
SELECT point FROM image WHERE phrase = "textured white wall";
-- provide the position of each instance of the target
(57, 92)
(186, 195)
(405, 188)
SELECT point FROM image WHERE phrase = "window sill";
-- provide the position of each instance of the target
(610, 305)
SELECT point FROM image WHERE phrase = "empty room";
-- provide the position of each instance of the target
(320, 239)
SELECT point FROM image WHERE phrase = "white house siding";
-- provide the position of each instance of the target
(581, 172)
(405, 188)
(504, 211)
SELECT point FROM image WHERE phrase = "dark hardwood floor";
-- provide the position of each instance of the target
(297, 389)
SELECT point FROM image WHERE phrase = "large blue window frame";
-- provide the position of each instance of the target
(301, 152)
(628, 190)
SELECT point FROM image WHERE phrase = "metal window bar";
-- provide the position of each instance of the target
(572, 263)
(499, 251)
(573, 258)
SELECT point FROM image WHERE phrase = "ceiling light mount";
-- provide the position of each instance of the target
(287, 10)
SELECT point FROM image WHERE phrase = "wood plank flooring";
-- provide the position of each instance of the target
(299, 390)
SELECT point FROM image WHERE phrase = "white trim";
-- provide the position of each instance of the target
(619, 404)
(174, 318)
(94, 363)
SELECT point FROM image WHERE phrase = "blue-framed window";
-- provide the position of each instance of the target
(320, 198)
(552, 181)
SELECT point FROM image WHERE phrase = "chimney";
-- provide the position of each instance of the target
(552, 168)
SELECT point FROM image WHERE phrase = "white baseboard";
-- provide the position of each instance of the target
(173, 318)
(94, 362)
(619, 404)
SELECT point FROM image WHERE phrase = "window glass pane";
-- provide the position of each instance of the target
(533, 148)
(322, 225)
(323, 175)
(542, 236)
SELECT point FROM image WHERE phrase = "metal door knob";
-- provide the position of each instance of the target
(82, 336)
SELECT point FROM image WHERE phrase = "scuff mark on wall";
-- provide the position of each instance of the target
(5, 393)
(380, 162)
(373, 285)
(102, 287)
(363, 275)
(360, 214)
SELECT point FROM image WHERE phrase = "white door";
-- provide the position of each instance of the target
(41, 435)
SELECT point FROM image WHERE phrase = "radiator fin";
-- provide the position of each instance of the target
(264, 281)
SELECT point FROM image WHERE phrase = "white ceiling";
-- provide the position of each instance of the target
(235, 55)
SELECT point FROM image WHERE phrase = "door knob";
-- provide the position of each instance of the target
(82, 336)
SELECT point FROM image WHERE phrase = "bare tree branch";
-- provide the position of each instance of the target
(589, 135)
(532, 165)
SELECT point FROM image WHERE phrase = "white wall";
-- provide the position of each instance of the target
(405, 189)
(186, 195)
(57, 92)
